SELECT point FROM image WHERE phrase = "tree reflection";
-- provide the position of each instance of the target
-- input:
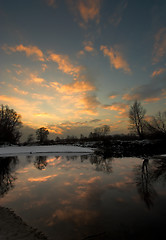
(40, 162)
(102, 164)
(146, 176)
(159, 170)
(7, 177)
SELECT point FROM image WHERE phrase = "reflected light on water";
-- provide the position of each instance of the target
(114, 198)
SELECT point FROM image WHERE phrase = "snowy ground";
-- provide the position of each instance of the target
(13, 150)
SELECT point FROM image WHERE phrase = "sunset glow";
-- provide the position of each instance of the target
(74, 65)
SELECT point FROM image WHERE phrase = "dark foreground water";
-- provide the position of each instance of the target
(87, 197)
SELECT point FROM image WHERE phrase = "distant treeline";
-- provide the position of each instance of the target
(139, 127)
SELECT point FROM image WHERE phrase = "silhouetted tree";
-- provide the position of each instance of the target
(144, 184)
(137, 118)
(30, 139)
(10, 124)
(102, 131)
(42, 134)
(157, 125)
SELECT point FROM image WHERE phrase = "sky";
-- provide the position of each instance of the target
(74, 65)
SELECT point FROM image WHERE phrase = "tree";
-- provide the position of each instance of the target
(10, 123)
(42, 134)
(157, 125)
(137, 118)
(102, 131)
(30, 139)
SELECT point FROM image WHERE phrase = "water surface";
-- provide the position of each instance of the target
(86, 197)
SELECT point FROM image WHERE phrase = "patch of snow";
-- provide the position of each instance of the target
(15, 150)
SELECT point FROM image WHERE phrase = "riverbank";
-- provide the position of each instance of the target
(137, 148)
(13, 227)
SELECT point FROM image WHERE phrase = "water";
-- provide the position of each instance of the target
(87, 197)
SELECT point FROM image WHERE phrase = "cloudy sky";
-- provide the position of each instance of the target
(73, 65)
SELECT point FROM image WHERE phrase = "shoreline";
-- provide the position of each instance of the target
(13, 227)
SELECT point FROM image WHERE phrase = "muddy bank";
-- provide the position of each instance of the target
(12, 227)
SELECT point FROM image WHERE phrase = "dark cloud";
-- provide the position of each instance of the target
(153, 90)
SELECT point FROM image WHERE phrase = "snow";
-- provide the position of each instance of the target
(15, 150)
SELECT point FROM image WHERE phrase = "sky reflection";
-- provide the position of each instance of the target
(87, 195)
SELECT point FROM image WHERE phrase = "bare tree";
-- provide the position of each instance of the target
(102, 131)
(10, 123)
(158, 124)
(42, 134)
(137, 118)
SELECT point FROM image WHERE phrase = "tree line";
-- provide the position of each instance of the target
(10, 125)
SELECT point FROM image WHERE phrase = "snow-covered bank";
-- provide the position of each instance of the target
(13, 150)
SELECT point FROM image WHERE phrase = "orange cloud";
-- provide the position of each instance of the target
(29, 51)
(151, 99)
(26, 108)
(30, 110)
(88, 46)
(44, 67)
(89, 104)
(11, 100)
(21, 92)
(87, 112)
(44, 115)
(35, 79)
(158, 72)
(80, 53)
(89, 10)
(64, 64)
(160, 45)
(116, 59)
(76, 87)
(119, 107)
(131, 97)
(42, 97)
(41, 179)
(113, 96)
(55, 129)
